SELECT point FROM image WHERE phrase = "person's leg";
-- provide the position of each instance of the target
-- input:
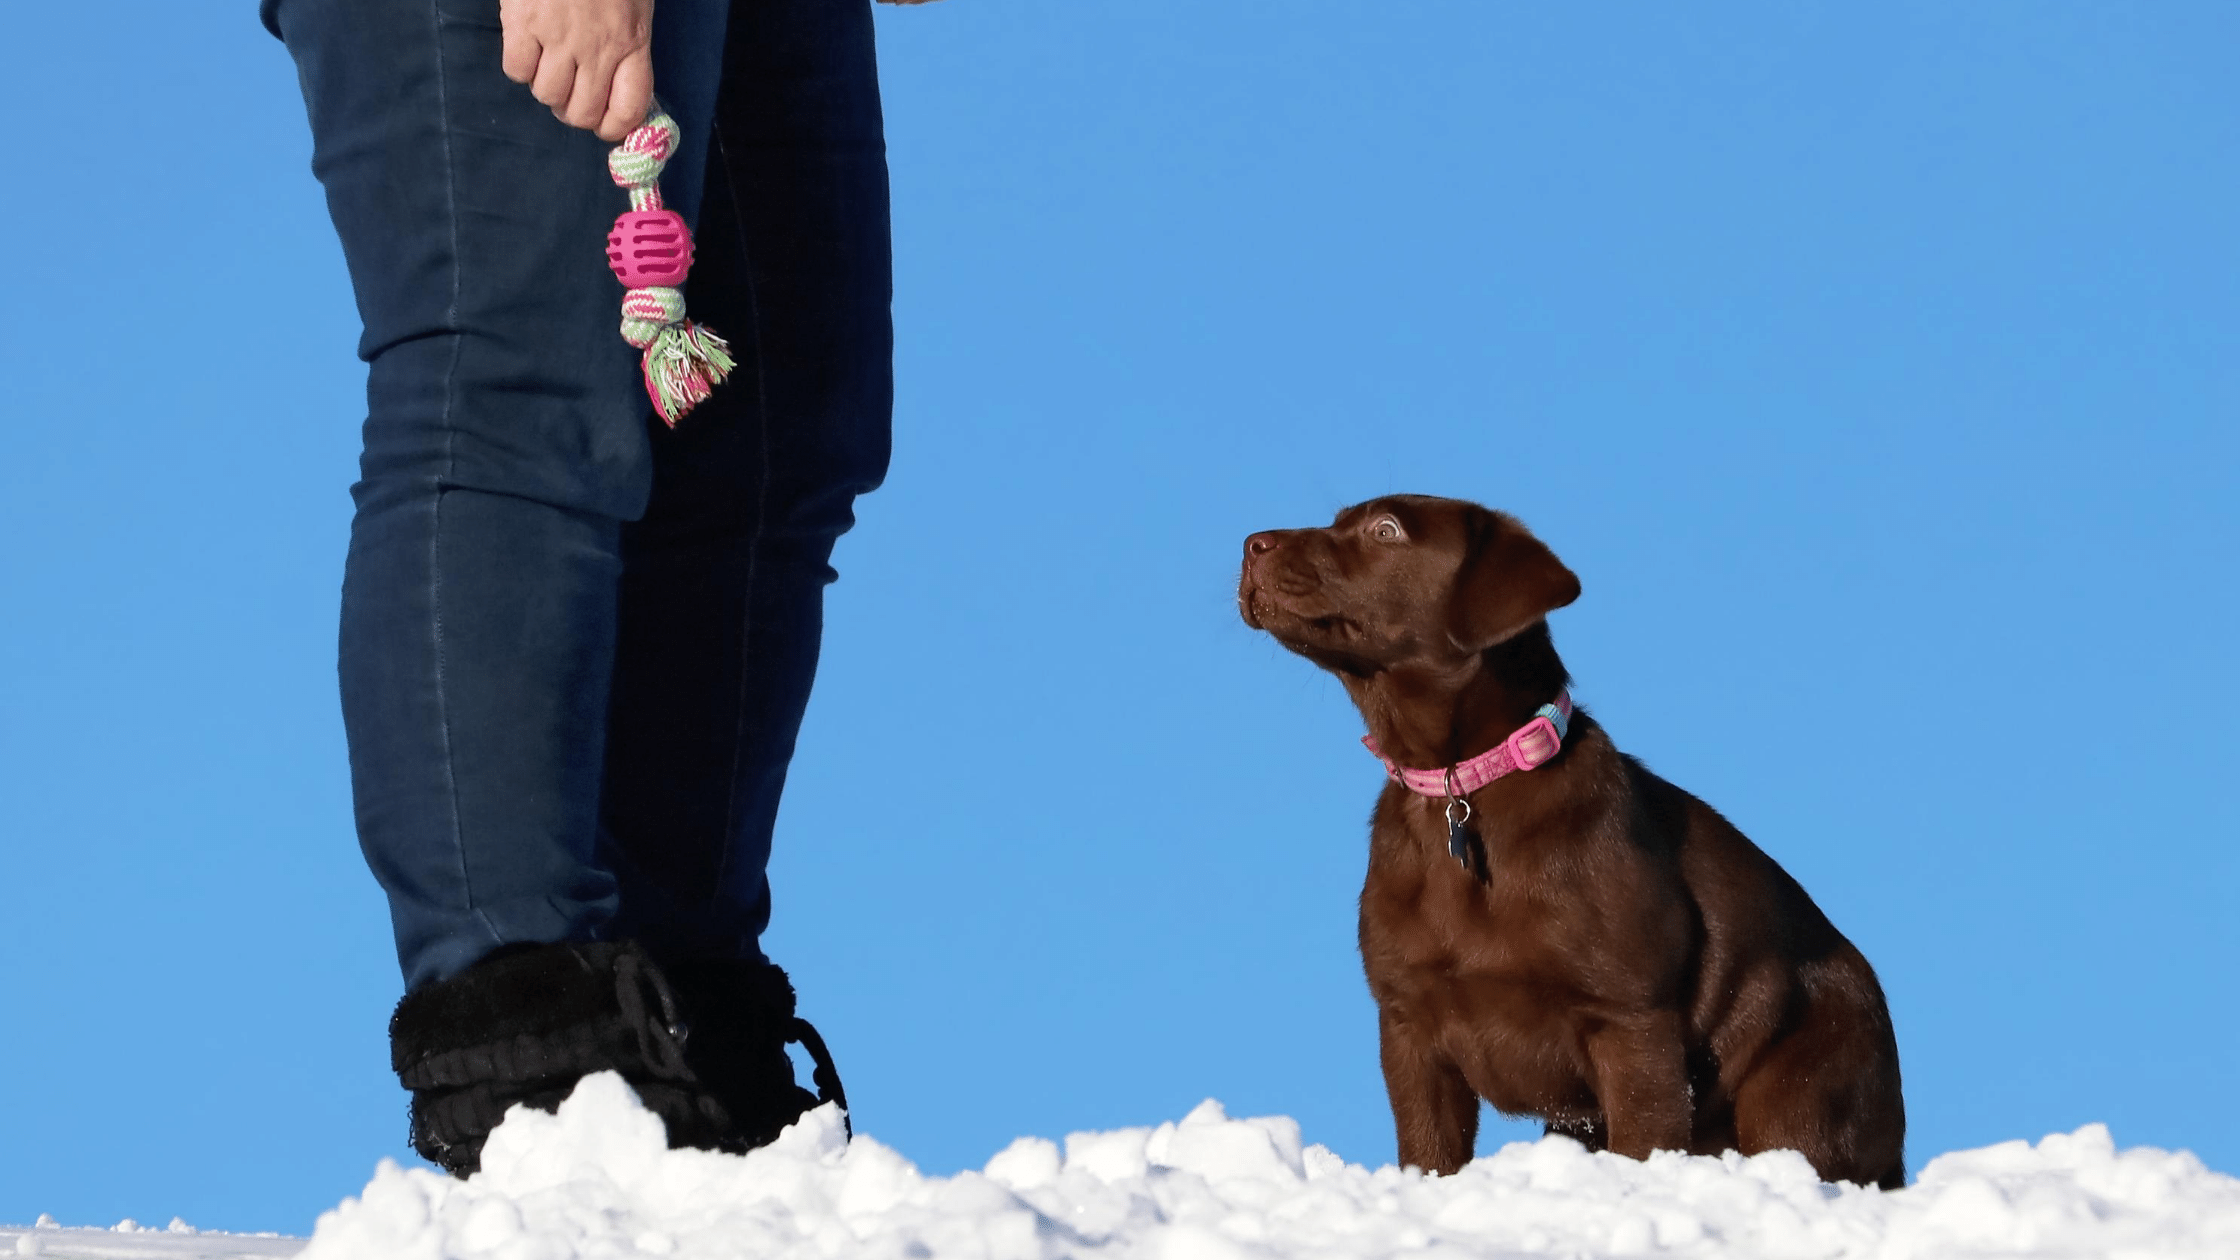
(723, 578)
(505, 443)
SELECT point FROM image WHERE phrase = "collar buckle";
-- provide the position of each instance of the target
(1536, 742)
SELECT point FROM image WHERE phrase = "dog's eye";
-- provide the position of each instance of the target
(1387, 530)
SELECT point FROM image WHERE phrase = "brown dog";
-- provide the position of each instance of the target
(1608, 954)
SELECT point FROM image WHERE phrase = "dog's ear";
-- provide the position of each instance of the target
(1507, 581)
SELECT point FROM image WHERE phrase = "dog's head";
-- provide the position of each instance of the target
(1402, 580)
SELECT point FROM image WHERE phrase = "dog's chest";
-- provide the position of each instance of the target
(1425, 912)
(1446, 943)
(1482, 973)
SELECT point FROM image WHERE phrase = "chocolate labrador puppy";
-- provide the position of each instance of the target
(1546, 924)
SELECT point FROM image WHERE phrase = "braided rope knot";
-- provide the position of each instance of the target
(650, 252)
(645, 312)
(636, 163)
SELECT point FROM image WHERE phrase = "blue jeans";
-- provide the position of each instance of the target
(576, 645)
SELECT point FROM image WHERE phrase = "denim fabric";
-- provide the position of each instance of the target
(575, 645)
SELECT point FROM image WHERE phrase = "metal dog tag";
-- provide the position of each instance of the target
(1459, 840)
(1460, 843)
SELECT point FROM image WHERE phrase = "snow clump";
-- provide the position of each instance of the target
(596, 1181)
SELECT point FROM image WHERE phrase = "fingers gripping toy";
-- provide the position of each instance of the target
(650, 250)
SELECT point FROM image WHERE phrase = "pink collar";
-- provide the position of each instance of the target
(1531, 746)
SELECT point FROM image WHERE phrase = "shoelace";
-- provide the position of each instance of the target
(826, 1076)
(660, 1040)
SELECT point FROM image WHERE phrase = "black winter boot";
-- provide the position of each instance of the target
(524, 1025)
(741, 1015)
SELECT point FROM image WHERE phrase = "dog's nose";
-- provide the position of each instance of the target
(1261, 544)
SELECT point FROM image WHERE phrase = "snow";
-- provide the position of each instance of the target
(130, 1240)
(595, 1181)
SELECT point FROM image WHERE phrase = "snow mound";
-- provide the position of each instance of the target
(595, 1181)
(130, 1240)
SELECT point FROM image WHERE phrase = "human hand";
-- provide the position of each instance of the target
(590, 60)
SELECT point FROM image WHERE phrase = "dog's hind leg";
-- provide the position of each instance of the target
(1832, 1093)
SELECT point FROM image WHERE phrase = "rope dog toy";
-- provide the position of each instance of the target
(650, 251)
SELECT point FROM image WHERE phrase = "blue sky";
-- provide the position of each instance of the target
(1876, 368)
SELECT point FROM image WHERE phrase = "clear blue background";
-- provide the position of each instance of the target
(1876, 367)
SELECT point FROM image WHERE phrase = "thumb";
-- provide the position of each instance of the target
(631, 96)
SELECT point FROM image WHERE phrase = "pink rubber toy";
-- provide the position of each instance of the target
(649, 247)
